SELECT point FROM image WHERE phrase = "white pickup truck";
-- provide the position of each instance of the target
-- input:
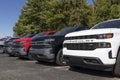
(97, 48)
(2, 40)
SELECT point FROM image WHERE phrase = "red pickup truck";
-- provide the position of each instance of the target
(17, 44)
(23, 51)
(25, 42)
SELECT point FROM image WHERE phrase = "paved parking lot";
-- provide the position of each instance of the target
(12, 68)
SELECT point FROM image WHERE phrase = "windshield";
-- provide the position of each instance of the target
(108, 24)
(65, 31)
(28, 36)
(10, 39)
(39, 35)
(2, 39)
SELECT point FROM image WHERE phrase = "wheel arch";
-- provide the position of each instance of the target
(57, 50)
(118, 51)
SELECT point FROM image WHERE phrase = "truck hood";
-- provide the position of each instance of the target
(47, 37)
(22, 39)
(90, 32)
(25, 39)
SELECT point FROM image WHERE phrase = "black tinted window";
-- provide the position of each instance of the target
(10, 39)
(65, 31)
(108, 24)
(39, 35)
(13, 39)
(51, 33)
(29, 36)
(81, 28)
(70, 29)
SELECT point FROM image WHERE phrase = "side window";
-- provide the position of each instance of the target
(51, 33)
(108, 24)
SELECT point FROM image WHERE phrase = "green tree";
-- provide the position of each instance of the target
(104, 10)
(43, 15)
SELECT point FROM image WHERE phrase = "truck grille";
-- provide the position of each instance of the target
(36, 44)
(39, 45)
(82, 37)
(81, 46)
(16, 45)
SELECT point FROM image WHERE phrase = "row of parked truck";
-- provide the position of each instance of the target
(45, 46)
(95, 48)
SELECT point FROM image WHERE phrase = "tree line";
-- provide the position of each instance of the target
(43, 15)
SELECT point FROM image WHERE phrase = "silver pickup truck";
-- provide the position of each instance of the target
(2, 40)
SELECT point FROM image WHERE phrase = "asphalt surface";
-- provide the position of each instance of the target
(12, 68)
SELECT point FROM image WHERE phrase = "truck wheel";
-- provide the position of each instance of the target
(1, 50)
(11, 55)
(29, 57)
(39, 61)
(116, 70)
(73, 67)
(16, 55)
(59, 58)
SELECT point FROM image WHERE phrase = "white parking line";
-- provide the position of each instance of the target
(62, 67)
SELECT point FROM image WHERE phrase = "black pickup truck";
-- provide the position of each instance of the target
(8, 45)
(49, 48)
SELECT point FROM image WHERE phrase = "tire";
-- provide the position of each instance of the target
(29, 57)
(1, 49)
(16, 55)
(20, 57)
(11, 55)
(73, 67)
(39, 61)
(59, 58)
(116, 70)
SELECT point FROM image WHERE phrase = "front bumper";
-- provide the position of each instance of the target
(42, 54)
(22, 52)
(87, 62)
(14, 51)
(8, 49)
(104, 54)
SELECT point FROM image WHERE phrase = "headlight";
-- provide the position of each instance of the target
(105, 36)
(104, 45)
(21, 44)
(49, 40)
